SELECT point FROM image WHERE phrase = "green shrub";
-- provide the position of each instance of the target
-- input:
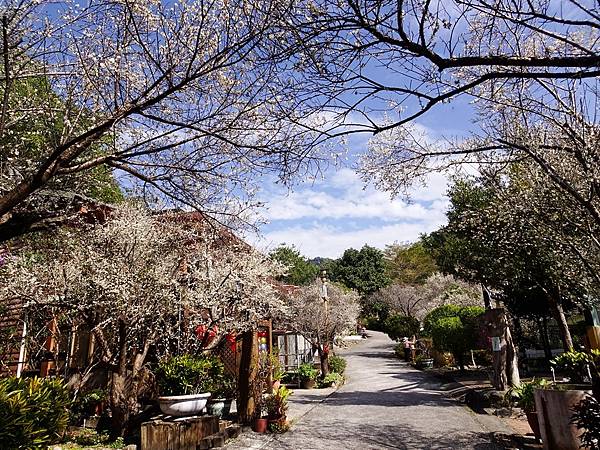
(307, 371)
(523, 395)
(187, 374)
(34, 412)
(397, 326)
(399, 350)
(454, 329)
(587, 418)
(337, 364)
(87, 437)
(85, 404)
(331, 379)
(574, 364)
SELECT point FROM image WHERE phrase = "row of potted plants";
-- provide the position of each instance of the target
(309, 375)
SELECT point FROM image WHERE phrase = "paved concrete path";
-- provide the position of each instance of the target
(385, 404)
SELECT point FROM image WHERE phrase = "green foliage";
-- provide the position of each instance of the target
(87, 437)
(454, 328)
(574, 364)
(307, 371)
(34, 135)
(85, 404)
(398, 326)
(587, 418)
(409, 264)
(363, 270)
(187, 374)
(523, 394)
(276, 404)
(332, 378)
(399, 350)
(278, 427)
(337, 364)
(34, 412)
(301, 272)
(276, 367)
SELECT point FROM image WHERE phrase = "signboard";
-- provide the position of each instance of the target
(496, 346)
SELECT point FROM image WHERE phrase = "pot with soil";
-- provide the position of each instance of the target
(308, 375)
(555, 411)
(523, 396)
(185, 382)
(260, 425)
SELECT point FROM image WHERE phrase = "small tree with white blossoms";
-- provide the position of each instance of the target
(319, 320)
(129, 281)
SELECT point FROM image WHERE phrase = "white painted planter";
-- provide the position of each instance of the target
(183, 405)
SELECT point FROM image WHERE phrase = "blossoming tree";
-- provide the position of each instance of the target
(141, 284)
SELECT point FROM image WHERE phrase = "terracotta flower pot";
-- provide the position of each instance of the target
(307, 384)
(260, 425)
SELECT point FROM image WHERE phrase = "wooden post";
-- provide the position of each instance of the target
(248, 383)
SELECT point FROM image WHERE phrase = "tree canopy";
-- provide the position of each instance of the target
(363, 270)
(300, 271)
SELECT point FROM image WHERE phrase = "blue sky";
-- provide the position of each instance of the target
(326, 216)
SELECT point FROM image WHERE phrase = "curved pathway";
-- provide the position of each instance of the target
(385, 404)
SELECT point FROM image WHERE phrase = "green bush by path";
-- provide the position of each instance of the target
(337, 364)
(397, 327)
(34, 412)
(454, 329)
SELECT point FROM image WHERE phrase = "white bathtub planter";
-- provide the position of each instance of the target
(184, 405)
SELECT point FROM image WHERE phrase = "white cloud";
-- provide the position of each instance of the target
(331, 241)
(344, 197)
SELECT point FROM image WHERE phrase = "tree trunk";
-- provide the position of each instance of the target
(545, 340)
(487, 301)
(561, 320)
(249, 385)
(324, 358)
(505, 360)
(512, 360)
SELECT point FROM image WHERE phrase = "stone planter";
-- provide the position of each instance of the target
(220, 407)
(425, 363)
(554, 411)
(183, 405)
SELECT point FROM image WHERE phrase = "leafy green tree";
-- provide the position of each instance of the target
(409, 264)
(301, 272)
(454, 329)
(499, 234)
(398, 326)
(363, 270)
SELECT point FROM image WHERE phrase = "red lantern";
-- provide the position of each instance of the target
(230, 338)
(206, 334)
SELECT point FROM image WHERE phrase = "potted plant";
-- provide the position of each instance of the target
(555, 404)
(223, 390)
(422, 362)
(184, 383)
(276, 405)
(523, 396)
(308, 375)
(260, 422)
